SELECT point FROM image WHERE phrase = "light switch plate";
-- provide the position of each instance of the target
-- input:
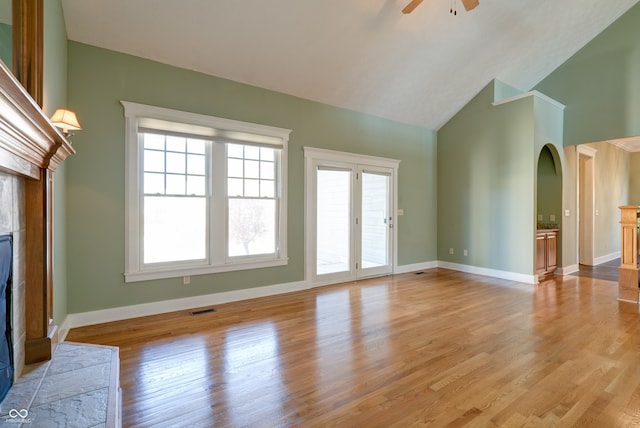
(552, 217)
(400, 211)
(567, 213)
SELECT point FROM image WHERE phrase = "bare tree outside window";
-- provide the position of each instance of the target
(246, 221)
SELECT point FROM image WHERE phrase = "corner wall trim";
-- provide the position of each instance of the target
(512, 276)
(154, 308)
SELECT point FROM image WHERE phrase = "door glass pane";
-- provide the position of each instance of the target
(333, 221)
(375, 220)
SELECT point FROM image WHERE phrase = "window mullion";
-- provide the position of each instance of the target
(218, 200)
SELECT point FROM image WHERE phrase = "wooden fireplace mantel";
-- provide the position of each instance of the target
(31, 147)
(28, 140)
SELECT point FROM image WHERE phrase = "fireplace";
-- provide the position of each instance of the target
(6, 346)
(12, 223)
(30, 150)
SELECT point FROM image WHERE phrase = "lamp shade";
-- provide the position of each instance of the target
(65, 120)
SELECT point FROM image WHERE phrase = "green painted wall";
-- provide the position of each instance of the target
(96, 179)
(5, 44)
(600, 84)
(502, 91)
(486, 170)
(634, 179)
(5, 33)
(55, 96)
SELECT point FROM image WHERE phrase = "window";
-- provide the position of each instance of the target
(251, 200)
(204, 194)
(175, 202)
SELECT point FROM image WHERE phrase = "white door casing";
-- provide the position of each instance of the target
(380, 171)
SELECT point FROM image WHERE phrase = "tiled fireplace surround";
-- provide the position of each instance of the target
(12, 220)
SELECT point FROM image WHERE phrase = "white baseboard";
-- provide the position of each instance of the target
(415, 267)
(63, 330)
(607, 258)
(512, 276)
(145, 309)
(154, 308)
(567, 270)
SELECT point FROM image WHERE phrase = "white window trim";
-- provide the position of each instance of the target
(243, 131)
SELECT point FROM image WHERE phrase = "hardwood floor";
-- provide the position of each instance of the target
(607, 270)
(437, 349)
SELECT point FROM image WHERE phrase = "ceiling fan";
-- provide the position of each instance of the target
(468, 5)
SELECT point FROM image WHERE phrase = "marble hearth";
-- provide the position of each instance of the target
(77, 388)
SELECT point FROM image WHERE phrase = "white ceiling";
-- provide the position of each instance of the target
(363, 55)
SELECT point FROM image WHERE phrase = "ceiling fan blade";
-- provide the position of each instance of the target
(412, 5)
(470, 4)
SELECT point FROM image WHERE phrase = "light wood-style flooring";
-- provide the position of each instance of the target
(607, 270)
(437, 349)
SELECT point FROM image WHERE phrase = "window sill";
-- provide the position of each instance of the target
(149, 275)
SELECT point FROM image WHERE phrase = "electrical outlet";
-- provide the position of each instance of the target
(400, 211)
(186, 280)
(466, 253)
(540, 217)
(552, 218)
(450, 250)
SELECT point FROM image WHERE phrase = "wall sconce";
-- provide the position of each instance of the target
(66, 120)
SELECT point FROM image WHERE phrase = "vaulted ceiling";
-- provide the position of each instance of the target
(363, 55)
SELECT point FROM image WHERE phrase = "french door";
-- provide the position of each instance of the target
(349, 208)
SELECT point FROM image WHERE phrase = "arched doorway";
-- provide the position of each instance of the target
(548, 211)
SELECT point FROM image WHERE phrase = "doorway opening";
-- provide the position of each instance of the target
(586, 203)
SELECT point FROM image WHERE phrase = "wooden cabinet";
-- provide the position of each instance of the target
(546, 251)
(629, 271)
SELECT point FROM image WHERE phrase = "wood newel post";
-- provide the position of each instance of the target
(628, 272)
